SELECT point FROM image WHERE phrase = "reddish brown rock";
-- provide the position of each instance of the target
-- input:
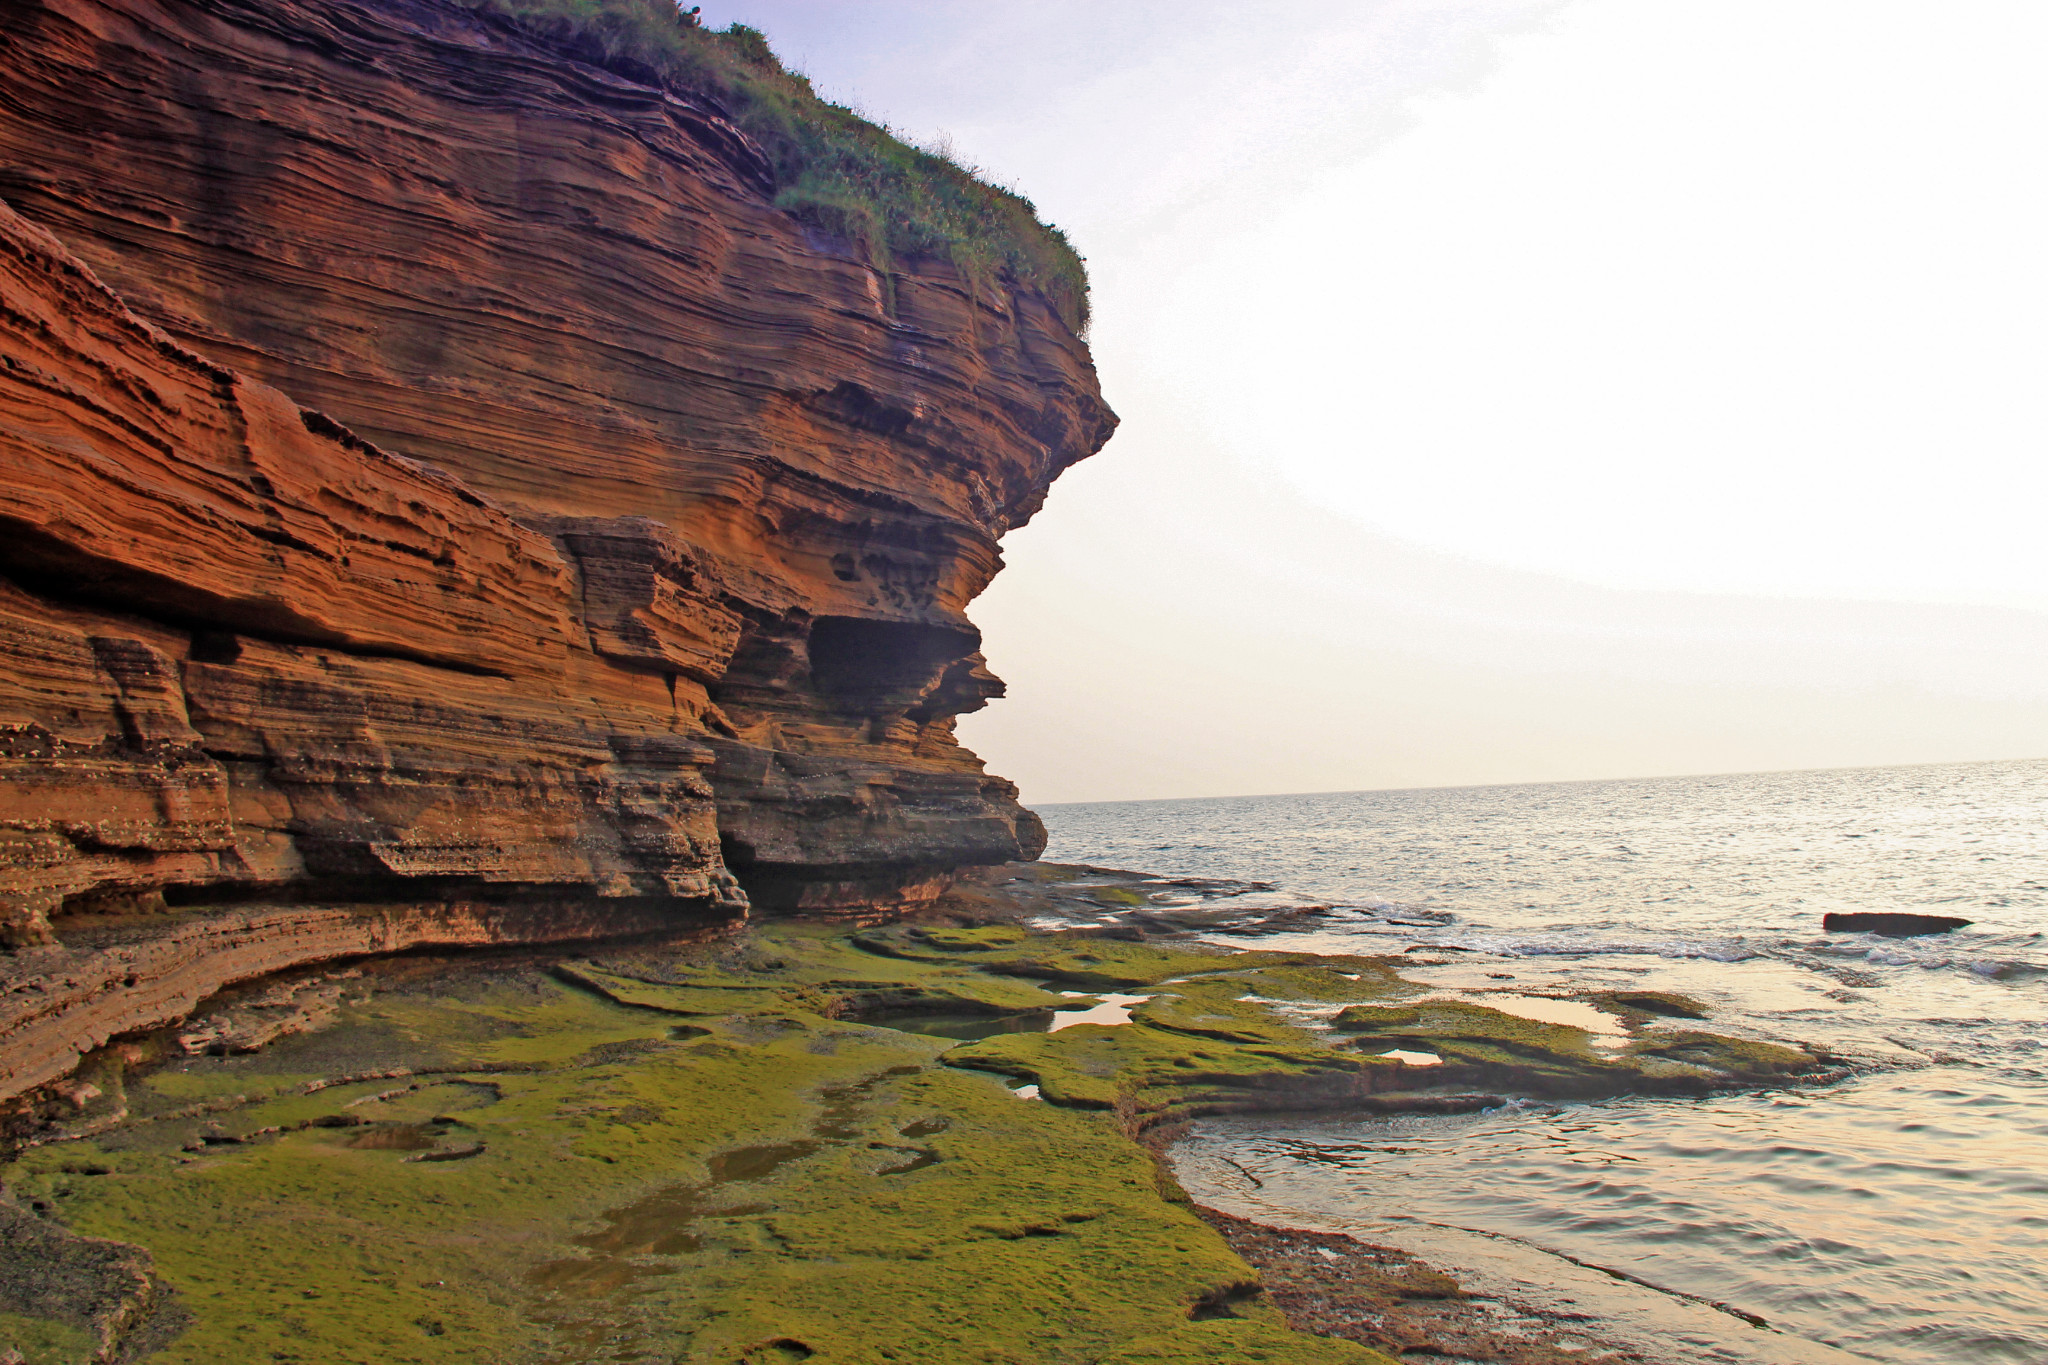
(146, 478)
(621, 544)
(60, 1001)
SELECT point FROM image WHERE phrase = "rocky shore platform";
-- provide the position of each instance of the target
(933, 1141)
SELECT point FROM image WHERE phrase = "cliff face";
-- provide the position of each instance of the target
(442, 485)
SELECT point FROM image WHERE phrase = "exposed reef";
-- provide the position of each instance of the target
(641, 1154)
(450, 502)
(796, 1143)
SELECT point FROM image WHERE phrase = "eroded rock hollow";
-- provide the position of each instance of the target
(447, 501)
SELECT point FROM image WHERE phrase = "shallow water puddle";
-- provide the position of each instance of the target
(1114, 1010)
(1407, 1058)
(1607, 1029)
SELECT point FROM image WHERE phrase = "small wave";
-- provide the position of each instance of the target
(1929, 955)
(1989, 957)
(1715, 950)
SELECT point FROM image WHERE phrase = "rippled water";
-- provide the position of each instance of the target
(1900, 1216)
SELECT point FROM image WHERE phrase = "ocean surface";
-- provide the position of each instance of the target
(1900, 1215)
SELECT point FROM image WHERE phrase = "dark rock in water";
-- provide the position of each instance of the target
(1891, 924)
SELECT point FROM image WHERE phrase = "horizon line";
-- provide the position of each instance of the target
(1550, 782)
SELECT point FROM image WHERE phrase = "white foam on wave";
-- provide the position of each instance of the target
(1931, 954)
(1716, 950)
(1885, 953)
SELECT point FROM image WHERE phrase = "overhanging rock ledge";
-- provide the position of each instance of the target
(448, 502)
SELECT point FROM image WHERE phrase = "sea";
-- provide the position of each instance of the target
(1900, 1214)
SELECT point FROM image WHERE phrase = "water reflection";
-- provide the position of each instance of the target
(1113, 1010)
(1802, 1211)
(1900, 1215)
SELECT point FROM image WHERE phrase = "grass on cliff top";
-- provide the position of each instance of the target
(833, 169)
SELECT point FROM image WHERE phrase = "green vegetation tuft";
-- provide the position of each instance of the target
(833, 169)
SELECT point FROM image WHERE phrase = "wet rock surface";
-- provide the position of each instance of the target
(1130, 905)
(1226, 1030)
(1381, 1297)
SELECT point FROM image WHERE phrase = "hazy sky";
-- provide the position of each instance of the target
(1512, 389)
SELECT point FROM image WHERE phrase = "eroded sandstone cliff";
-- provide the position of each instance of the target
(447, 501)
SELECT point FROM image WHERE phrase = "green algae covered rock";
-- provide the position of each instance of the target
(1107, 963)
(1167, 1074)
(1644, 1005)
(1073, 959)
(660, 1159)
(1479, 1045)
(666, 1154)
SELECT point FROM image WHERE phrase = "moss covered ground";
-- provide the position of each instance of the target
(681, 1160)
(729, 1154)
(41, 1341)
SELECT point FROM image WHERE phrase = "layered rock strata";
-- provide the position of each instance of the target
(448, 502)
